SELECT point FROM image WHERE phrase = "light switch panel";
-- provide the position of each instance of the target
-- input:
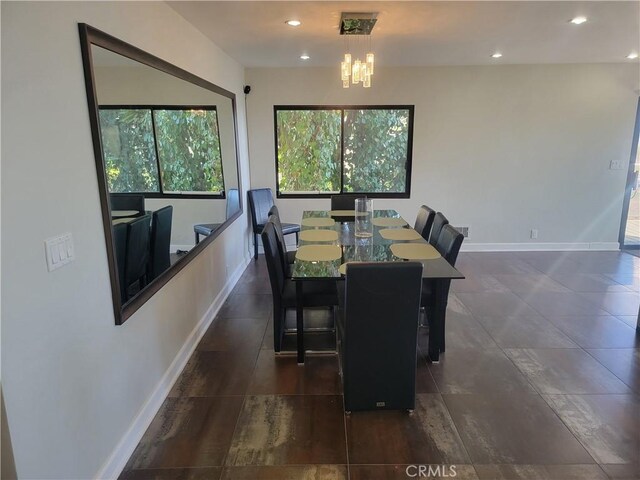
(59, 251)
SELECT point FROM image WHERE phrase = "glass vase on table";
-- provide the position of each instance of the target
(364, 217)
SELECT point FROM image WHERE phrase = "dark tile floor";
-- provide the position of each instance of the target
(541, 380)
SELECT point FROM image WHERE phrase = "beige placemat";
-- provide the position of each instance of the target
(399, 234)
(122, 220)
(124, 213)
(318, 253)
(414, 251)
(388, 222)
(318, 222)
(319, 235)
(342, 269)
(342, 213)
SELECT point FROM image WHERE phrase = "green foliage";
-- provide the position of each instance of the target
(189, 150)
(308, 150)
(129, 153)
(188, 144)
(375, 150)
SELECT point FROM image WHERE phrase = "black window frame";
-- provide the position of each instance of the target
(342, 108)
(161, 193)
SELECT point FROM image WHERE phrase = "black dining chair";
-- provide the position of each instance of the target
(120, 244)
(160, 241)
(377, 332)
(127, 201)
(435, 293)
(288, 257)
(137, 255)
(321, 293)
(424, 221)
(233, 205)
(439, 221)
(344, 201)
(260, 201)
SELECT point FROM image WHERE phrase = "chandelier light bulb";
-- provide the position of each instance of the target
(370, 61)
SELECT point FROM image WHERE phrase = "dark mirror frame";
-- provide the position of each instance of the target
(92, 36)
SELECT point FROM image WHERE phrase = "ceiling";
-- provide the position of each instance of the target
(421, 33)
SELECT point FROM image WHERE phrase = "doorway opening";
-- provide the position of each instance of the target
(630, 225)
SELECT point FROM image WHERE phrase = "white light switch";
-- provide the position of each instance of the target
(59, 251)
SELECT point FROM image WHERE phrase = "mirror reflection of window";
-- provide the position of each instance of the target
(163, 150)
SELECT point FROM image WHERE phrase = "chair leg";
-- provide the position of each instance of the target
(197, 238)
(444, 317)
(255, 246)
(297, 234)
(278, 330)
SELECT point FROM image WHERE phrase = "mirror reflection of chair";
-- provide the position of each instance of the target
(424, 221)
(120, 244)
(233, 205)
(435, 293)
(288, 257)
(344, 201)
(260, 201)
(160, 258)
(439, 221)
(137, 256)
(377, 335)
(127, 201)
(316, 293)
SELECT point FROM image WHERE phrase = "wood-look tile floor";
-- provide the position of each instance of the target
(540, 380)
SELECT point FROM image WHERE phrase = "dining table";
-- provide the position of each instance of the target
(328, 242)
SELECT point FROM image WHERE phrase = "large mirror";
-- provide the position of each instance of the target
(166, 158)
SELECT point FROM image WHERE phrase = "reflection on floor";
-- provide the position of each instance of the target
(541, 379)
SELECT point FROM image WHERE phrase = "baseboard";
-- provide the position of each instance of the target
(539, 247)
(123, 451)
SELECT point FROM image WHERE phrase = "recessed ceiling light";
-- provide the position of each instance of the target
(632, 56)
(304, 57)
(496, 55)
(578, 20)
(293, 23)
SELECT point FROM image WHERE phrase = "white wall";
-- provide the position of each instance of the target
(73, 381)
(503, 149)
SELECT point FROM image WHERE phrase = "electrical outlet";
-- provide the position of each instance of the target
(463, 230)
(534, 233)
(616, 165)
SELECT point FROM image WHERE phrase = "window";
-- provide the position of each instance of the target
(328, 150)
(162, 150)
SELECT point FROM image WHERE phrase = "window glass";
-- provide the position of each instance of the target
(308, 151)
(129, 151)
(189, 151)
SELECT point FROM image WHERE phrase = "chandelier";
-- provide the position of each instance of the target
(357, 71)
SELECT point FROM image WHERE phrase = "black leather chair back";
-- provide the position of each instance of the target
(449, 244)
(424, 221)
(274, 260)
(260, 201)
(274, 218)
(233, 202)
(137, 250)
(439, 221)
(379, 344)
(120, 243)
(127, 201)
(345, 201)
(160, 241)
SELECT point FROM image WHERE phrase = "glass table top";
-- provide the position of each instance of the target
(357, 249)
